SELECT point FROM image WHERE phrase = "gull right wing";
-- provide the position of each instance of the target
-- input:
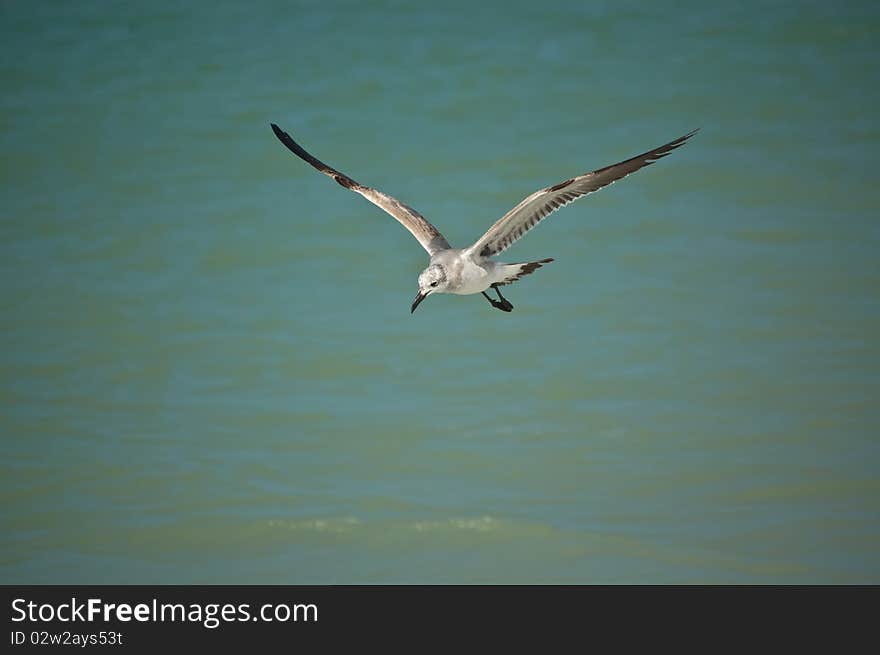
(425, 233)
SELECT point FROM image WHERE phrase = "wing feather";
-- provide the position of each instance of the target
(425, 233)
(532, 210)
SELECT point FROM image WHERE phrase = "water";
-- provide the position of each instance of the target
(209, 376)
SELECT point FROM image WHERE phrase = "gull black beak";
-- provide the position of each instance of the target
(419, 298)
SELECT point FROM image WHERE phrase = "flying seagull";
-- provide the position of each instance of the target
(471, 270)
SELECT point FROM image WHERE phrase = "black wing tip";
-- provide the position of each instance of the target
(283, 136)
(295, 148)
(682, 139)
(300, 152)
(663, 151)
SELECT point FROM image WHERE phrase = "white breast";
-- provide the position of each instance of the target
(474, 278)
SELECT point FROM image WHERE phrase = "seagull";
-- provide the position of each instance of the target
(471, 270)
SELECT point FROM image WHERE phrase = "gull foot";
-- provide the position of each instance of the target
(502, 303)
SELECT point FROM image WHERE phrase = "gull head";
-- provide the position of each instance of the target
(431, 280)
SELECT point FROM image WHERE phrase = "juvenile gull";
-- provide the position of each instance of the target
(470, 270)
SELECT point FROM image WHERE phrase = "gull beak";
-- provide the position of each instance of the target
(419, 298)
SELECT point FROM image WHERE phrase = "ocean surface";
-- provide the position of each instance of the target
(209, 372)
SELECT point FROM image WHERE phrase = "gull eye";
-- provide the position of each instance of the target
(433, 284)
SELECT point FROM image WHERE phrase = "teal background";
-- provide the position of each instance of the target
(209, 372)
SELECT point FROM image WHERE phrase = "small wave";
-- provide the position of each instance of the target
(334, 525)
(482, 524)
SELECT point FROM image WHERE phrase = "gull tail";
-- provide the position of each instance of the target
(513, 272)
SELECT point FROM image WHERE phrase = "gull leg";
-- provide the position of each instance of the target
(505, 303)
(503, 306)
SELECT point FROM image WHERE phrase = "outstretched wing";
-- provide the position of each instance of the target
(425, 233)
(531, 211)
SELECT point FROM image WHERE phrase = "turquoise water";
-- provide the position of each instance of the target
(208, 376)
